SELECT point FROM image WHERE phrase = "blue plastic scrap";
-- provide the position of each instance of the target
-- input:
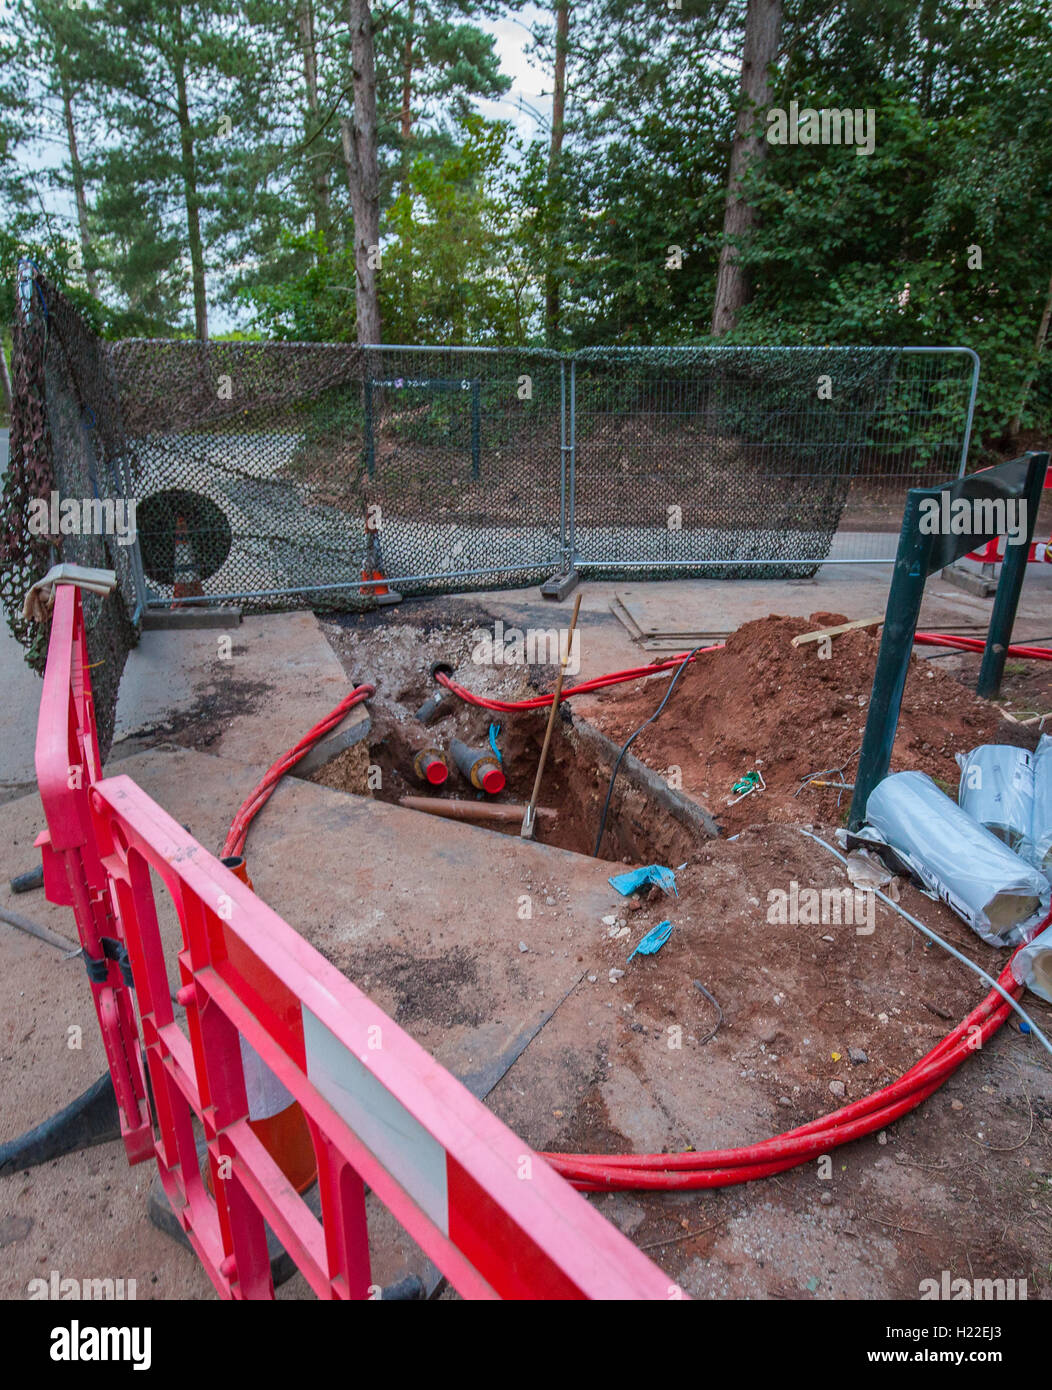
(654, 940)
(650, 873)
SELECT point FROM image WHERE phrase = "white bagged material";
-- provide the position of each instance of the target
(1032, 966)
(1041, 825)
(997, 790)
(980, 878)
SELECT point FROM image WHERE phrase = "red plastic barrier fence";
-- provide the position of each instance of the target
(67, 763)
(490, 1212)
(993, 551)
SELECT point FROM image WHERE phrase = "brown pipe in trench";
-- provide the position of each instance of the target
(471, 810)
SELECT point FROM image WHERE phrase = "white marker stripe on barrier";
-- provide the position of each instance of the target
(412, 1156)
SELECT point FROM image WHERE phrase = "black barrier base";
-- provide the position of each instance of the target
(90, 1119)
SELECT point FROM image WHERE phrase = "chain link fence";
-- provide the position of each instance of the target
(276, 475)
(758, 462)
(736, 460)
(272, 472)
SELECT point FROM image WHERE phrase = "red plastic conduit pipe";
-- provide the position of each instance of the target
(260, 795)
(724, 1167)
(634, 673)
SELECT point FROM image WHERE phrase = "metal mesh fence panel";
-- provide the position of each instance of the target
(733, 461)
(918, 437)
(282, 474)
(270, 472)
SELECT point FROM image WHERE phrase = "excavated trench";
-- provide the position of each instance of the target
(647, 821)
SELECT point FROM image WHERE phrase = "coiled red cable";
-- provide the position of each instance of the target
(691, 1171)
(723, 1167)
(260, 795)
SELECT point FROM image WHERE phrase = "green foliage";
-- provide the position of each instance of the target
(452, 270)
(943, 235)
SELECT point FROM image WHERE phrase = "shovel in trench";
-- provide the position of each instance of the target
(529, 819)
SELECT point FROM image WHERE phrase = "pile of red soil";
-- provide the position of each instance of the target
(761, 703)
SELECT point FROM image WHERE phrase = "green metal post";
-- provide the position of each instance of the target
(1009, 587)
(476, 431)
(896, 646)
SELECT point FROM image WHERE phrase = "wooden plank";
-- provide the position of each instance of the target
(836, 631)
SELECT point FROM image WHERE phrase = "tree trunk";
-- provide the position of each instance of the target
(552, 286)
(358, 137)
(193, 202)
(318, 157)
(1016, 422)
(763, 24)
(77, 171)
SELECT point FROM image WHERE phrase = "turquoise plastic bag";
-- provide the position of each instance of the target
(654, 940)
(650, 873)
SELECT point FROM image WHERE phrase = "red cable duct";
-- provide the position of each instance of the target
(723, 1167)
(927, 639)
(260, 795)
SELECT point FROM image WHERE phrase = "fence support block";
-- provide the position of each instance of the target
(560, 586)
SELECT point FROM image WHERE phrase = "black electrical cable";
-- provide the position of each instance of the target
(628, 744)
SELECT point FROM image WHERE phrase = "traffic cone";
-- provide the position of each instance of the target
(373, 567)
(274, 1117)
(185, 564)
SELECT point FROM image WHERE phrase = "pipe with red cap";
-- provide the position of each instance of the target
(430, 766)
(479, 767)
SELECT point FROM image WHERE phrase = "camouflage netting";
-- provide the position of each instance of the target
(270, 458)
(690, 456)
(66, 442)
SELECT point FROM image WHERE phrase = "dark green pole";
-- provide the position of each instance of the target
(1010, 585)
(896, 645)
(370, 443)
(476, 431)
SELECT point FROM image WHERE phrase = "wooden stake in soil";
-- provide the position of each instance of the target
(529, 820)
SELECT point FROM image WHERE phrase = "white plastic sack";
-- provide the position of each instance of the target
(1033, 965)
(973, 872)
(997, 790)
(1041, 826)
